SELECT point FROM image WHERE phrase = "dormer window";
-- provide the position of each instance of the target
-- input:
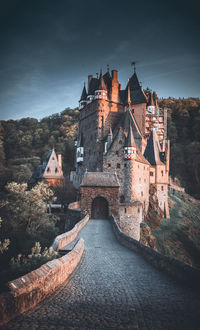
(48, 170)
(56, 170)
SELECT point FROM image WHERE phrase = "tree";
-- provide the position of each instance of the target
(3, 243)
(28, 208)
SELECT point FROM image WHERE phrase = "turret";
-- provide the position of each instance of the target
(129, 156)
(83, 99)
(101, 92)
(129, 147)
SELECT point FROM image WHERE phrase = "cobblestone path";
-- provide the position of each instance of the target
(114, 288)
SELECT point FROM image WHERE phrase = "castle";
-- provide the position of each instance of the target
(122, 150)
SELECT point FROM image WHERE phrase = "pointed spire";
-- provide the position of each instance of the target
(102, 85)
(130, 141)
(152, 151)
(129, 97)
(84, 94)
(150, 100)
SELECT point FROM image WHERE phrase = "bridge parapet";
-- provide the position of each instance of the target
(28, 290)
(174, 268)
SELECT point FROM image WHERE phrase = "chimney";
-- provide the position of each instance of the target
(115, 87)
(60, 161)
(114, 75)
(89, 79)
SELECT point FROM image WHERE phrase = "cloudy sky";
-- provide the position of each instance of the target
(49, 47)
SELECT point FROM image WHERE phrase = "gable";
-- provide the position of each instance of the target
(52, 169)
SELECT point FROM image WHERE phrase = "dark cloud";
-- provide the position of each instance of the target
(48, 48)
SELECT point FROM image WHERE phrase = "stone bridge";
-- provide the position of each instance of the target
(114, 288)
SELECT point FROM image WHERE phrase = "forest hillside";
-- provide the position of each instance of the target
(25, 143)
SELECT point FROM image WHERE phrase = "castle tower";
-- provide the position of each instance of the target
(101, 92)
(129, 158)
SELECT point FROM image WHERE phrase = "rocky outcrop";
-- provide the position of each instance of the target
(146, 236)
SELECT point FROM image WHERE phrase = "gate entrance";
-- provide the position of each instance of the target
(99, 208)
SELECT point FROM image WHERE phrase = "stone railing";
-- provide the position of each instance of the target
(28, 290)
(68, 237)
(171, 266)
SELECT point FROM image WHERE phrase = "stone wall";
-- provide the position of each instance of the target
(130, 217)
(172, 267)
(28, 290)
(68, 237)
(111, 194)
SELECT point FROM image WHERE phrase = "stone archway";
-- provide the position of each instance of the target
(100, 208)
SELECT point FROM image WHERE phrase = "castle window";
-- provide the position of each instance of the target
(124, 165)
(162, 188)
(124, 210)
(141, 193)
(162, 173)
(48, 170)
(109, 165)
(118, 165)
(56, 170)
(138, 210)
(151, 173)
(53, 158)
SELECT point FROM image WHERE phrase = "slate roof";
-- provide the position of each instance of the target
(100, 179)
(102, 85)
(108, 80)
(152, 151)
(84, 94)
(93, 86)
(130, 141)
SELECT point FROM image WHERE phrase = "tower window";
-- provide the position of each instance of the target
(141, 193)
(48, 170)
(56, 170)
(124, 210)
(117, 153)
(162, 188)
(124, 165)
(118, 165)
(109, 165)
(151, 173)
(138, 210)
(120, 141)
(162, 173)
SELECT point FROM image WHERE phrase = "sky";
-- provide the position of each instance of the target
(49, 47)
